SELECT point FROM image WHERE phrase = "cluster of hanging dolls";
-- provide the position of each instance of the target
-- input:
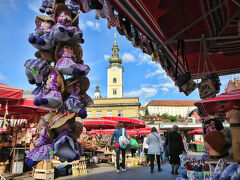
(57, 38)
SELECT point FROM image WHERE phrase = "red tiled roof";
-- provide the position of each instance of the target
(171, 103)
(141, 108)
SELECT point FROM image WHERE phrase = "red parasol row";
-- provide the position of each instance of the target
(220, 103)
(99, 124)
(129, 123)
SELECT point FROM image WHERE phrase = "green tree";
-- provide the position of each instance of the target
(146, 112)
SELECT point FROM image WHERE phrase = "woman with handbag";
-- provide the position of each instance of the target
(175, 147)
(155, 147)
(121, 142)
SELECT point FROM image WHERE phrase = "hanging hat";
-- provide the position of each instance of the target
(59, 119)
(76, 48)
(45, 18)
(83, 81)
(47, 117)
(46, 55)
(60, 78)
(61, 7)
(216, 140)
(77, 129)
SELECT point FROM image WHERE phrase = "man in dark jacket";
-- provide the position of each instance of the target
(176, 147)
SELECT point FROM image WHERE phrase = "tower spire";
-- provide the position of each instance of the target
(115, 59)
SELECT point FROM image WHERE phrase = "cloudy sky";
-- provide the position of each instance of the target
(142, 77)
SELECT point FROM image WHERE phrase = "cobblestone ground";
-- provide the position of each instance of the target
(134, 173)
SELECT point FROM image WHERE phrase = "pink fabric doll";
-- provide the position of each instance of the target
(63, 29)
(41, 39)
(48, 95)
(69, 60)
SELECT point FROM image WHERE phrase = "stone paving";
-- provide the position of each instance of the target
(134, 173)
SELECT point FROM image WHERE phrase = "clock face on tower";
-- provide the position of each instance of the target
(114, 68)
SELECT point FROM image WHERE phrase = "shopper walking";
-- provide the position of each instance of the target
(145, 149)
(176, 147)
(120, 131)
(154, 142)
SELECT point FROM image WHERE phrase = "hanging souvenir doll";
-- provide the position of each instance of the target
(69, 59)
(63, 29)
(48, 94)
(41, 39)
(58, 138)
(73, 5)
(77, 99)
(37, 69)
(88, 5)
(47, 6)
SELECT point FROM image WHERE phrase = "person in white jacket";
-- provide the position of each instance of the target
(155, 144)
(145, 149)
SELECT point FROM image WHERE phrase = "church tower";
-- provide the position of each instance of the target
(115, 74)
(97, 92)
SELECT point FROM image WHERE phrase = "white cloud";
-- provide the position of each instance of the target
(2, 77)
(34, 5)
(165, 89)
(106, 57)
(143, 91)
(127, 57)
(157, 72)
(94, 26)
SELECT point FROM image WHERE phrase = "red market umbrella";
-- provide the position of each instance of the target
(99, 124)
(129, 123)
(9, 93)
(219, 103)
(196, 131)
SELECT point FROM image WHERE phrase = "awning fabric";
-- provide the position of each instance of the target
(196, 131)
(99, 124)
(167, 21)
(8, 93)
(219, 103)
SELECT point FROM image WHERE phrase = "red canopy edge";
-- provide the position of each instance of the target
(196, 131)
(8, 92)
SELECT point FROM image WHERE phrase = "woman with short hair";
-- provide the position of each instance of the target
(155, 147)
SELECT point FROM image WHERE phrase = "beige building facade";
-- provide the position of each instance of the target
(170, 107)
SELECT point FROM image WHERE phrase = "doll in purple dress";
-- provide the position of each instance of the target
(48, 94)
(78, 99)
(68, 56)
(63, 30)
(41, 38)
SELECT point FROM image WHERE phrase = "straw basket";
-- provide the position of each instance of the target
(2, 169)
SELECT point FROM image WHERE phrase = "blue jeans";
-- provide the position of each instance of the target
(123, 157)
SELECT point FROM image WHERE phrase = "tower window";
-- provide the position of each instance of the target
(115, 52)
(114, 80)
(114, 91)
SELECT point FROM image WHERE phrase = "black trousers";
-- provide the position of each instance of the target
(152, 158)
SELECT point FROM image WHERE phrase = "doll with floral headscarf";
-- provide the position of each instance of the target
(68, 55)
(48, 94)
(63, 30)
(41, 39)
(78, 99)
